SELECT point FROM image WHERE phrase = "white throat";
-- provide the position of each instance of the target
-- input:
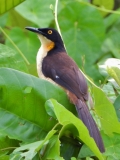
(46, 45)
(40, 55)
(42, 52)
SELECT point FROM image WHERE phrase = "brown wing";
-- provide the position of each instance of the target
(64, 71)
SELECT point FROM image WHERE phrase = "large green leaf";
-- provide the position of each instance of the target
(14, 126)
(83, 33)
(6, 5)
(106, 112)
(22, 99)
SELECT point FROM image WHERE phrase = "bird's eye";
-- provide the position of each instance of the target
(50, 32)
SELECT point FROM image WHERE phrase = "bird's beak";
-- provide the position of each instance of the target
(36, 30)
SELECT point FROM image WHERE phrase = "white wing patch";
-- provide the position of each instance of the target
(56, 76)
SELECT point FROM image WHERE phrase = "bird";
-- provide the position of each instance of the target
(54, 64)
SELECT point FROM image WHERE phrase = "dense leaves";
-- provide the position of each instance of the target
(35, 115)
(60, 113)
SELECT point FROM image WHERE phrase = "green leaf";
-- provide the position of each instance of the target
(14, 127)
(113, 36)
(22, 99)
(111, 47)
(16, 20)
(114, 72)
(9, 58)
(88, 158)
(112, 146)
(106, 112)
(68, 129)
(77, 29)
(6, 157)
(61, 113)
(38, 12)
(6, 145)
(117, 106)
(3, 19)
(32, 148)
(111, 20)
(108, 89)
(73, 158)
(85, 152)
(53, 149)
(111, 67)
(50, 110)
(6, 5)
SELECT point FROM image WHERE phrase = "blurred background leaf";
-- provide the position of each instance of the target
(38, 12)
(9, 58)
(117, 106)
(109, 5)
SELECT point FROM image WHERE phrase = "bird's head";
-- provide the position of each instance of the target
(49, 37)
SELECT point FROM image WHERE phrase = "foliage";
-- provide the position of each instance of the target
(37, 120)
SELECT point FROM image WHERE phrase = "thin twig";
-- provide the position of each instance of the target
(19, 51)
(56, 21)
(56, 125)
(8, 148)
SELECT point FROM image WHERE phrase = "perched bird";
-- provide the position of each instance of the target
(54, 63)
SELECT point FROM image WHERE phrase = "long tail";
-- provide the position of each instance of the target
(87, 119)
